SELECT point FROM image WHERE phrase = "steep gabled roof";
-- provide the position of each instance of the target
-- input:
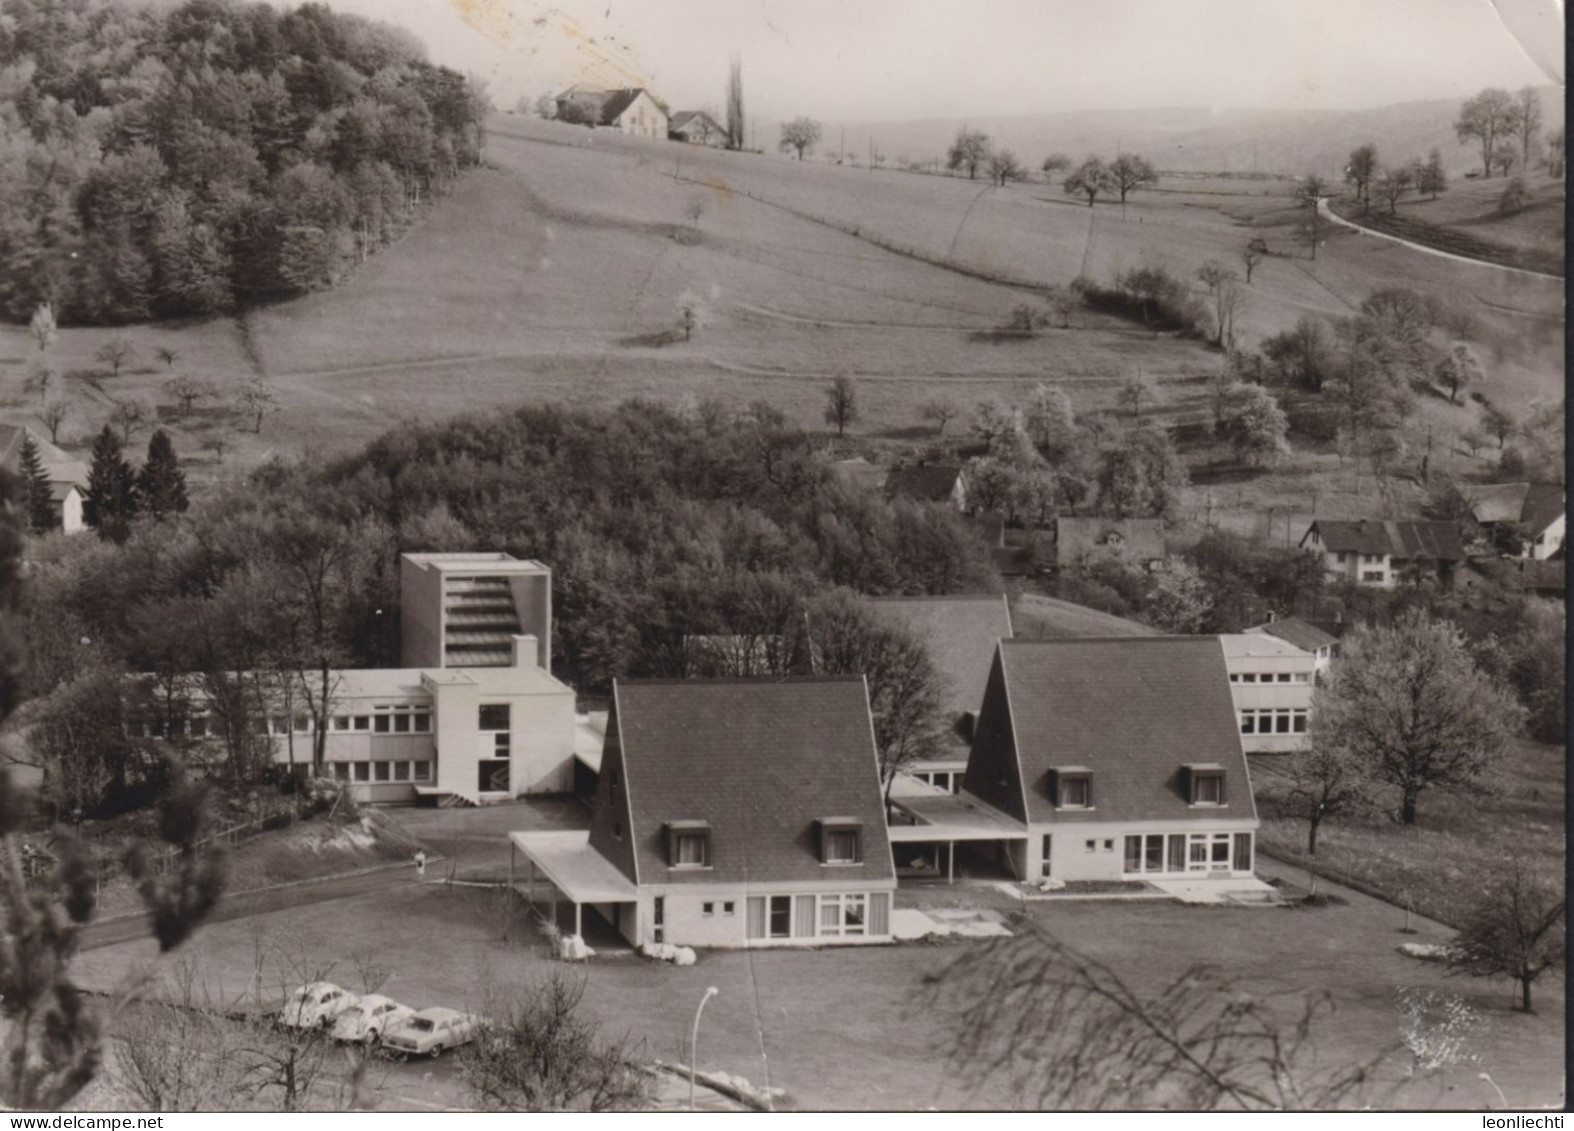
(1303, 634)
(929, 482)
(1079, 537)
(683, 118)
(1401, 540)
(1543, 506)
(759, 761)
(960, 634)
(1133, 710)
(60, 467)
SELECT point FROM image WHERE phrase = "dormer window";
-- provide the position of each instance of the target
(1205, 784)
(688, 844)
(841, 840)
(1071, 787)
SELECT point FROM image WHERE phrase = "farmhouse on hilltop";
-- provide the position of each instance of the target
(1376, 554)
(631, 110)
(697, 128)
(730, 813)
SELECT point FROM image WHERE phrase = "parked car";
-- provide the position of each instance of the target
(315, 1006)
(370, 1018)
(430, 1032)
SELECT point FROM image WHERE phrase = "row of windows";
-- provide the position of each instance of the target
(1270, 677)
(398, 771)
(493, 717)
(1366, 559)
(1188, 852)
(810, 916)
(1281, 720)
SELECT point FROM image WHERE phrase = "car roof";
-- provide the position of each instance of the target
(372, 1001)
(319, 987)
(439, 1013)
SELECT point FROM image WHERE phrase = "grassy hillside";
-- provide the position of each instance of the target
(554, 274)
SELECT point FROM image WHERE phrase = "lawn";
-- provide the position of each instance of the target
(859, 1027)
(1443, 863)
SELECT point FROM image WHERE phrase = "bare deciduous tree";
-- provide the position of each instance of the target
(1515, 931)
(1064, 1030)
(939, 410)
(970, 150)
(116, 353)
(799, 135)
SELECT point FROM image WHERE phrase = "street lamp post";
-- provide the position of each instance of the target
(694, 1037)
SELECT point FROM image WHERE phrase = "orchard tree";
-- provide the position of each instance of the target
(1516, 930)
(1090, 178)
(970, 150)
(691, 313)
(1130, 173)
(1054, 163)
(1309, 193)
(168, 356)
(53, 415)
(1137, 391)
(1361, 170)
(1065, 299)
(257, 401)
(1251, 255)
(799, 135)
(1003, 166)
(1259, 427)
(1498, 423)
(1430, 177)
(1526, 123)
(1487, 119)
(116, 353)
(1324, 781)
(1392, 185)
(939, 410)
(188, 390)
(1410, 703)
(841, 408)
(1179, 601)
(1458, 368)
(42, 327)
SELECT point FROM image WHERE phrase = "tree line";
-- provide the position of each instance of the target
(183, 161)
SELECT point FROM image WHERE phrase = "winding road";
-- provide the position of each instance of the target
(1322, 206)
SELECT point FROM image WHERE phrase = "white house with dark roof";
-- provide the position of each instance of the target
(1305, 635)
(730, 813)
(697, 128)
(1377, 554)
(67, 476)
(630, 110)
(1538, 509)
(1121, 758)
(960, 635)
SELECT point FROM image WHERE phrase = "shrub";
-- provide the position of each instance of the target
(1514, 197)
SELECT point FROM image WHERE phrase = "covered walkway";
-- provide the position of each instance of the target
(929, 815)
(571, 866)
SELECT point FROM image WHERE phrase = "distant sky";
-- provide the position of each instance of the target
(886, 60)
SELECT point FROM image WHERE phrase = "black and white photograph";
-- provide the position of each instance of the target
(751, 556)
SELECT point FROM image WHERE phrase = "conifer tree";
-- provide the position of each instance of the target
(38, 506)
(161, 485)
(111, 500)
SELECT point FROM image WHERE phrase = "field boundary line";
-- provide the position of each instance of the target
(1327, 211)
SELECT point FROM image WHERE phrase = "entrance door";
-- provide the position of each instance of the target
(1044, 861)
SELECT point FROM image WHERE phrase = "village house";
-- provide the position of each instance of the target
(1271, 682)
(631, 110)
(929, 483)
(1533, 512)
(1317, 639)
(729, 813)
(1118, 759)
(67, 476)
(1378, 554)
(697, 128)
(960, 635)
(1080, 541)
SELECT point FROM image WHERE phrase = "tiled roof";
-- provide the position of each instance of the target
(1495, 502)
(59, 466)
(1135, 711)
(960, 634)
(1401, 540)
(683, 118)
(1078, 537)
(760, 761)
(1543, 506)
(1303, 634)
(1050, 618)
(931, 482)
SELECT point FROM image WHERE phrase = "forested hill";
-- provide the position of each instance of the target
(189, 159)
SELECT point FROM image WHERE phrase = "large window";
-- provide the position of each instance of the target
(842, 915)
(807, 916)
(494, 716)
(492, 775)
